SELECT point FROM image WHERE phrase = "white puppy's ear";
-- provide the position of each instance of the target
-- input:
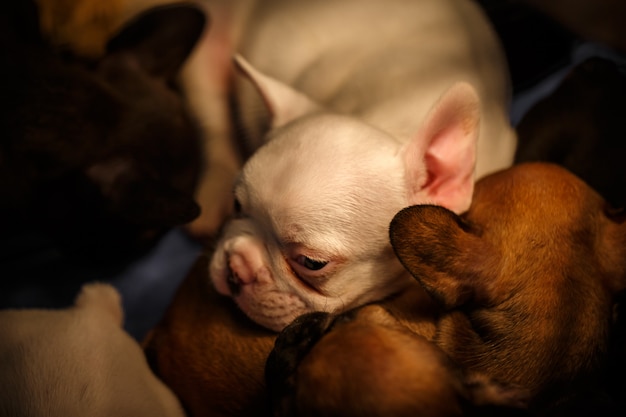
(284, 103)
(441, 158)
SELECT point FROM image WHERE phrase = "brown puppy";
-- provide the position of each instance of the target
(209, 353)
(528, 276)
(523, 287)
(369, 362)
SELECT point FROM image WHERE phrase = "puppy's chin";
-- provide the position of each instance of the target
(270, 307)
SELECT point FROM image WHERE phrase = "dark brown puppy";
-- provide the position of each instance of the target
(101, 156)
(528, 277)
(209, 353)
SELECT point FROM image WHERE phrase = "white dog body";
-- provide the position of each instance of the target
(77, 362)
(375, 105)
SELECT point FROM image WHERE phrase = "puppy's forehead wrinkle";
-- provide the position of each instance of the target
(351, 180)
(344, 201)
(319, 150)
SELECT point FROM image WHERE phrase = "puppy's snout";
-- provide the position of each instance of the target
(240, 272)
(244, 263)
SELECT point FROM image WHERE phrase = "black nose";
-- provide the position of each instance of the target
(233, 281)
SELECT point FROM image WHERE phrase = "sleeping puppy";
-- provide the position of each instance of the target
(528, 277)
(367, 362)
(375, 105)
(520, 289)
(77, 362)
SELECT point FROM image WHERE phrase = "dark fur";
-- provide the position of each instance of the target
(364, 362)
(100, 157)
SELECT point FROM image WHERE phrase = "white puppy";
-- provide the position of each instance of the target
(375, 105)
(77, 362)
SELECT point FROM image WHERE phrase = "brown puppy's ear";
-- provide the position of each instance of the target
(441, 251)
(161, 38)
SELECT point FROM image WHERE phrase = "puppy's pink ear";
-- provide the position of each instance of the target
(441, 158)
(441, 251)
(284, 103)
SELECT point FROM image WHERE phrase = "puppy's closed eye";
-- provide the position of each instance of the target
(311, 264)
(309, 271)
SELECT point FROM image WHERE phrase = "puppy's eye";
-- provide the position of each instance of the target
(310, 264)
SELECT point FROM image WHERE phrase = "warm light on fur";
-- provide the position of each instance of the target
(519, 292)
(413, 113)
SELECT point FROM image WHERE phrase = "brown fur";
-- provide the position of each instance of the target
(85, 26)
(528, 276)
(523, 290)
(95, 21)
(378, 361)
(209, 353)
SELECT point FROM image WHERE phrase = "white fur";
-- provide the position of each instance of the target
(77, 362)
(374, 105)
